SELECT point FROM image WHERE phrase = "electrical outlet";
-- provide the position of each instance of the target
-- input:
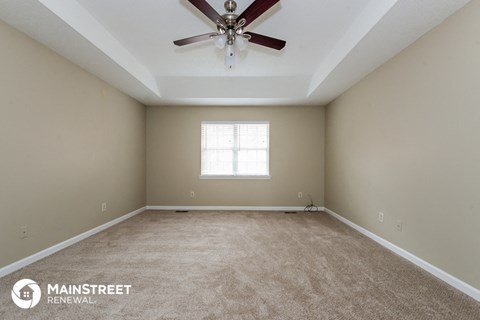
(380, 217)
(192, 194)
(104, 207)
(23, 232)
(300, 195)
(399, 226)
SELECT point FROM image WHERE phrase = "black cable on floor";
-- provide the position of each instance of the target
(311, 207)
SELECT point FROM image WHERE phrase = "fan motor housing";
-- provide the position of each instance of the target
(230, 19)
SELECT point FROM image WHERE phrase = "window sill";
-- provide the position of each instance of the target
(222, 177)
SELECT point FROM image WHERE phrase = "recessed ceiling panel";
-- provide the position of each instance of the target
(148, 28)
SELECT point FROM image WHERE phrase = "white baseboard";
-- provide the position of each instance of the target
(226, 208)
(442, 275)
(62, 245)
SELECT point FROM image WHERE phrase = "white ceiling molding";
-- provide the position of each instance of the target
(82, 21)
(331, 45)
(363, 24)
(405, 23)
(40, 23)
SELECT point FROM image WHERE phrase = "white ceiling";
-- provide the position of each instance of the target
(331, 44)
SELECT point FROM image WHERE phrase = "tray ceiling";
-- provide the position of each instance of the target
(331, 44)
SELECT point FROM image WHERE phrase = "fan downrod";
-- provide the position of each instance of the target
(230, 6)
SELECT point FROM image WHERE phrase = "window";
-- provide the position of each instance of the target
(235, 149)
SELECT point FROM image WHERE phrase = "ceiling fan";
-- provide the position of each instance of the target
(230, 27)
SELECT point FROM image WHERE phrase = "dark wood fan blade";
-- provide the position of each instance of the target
(266, 41)
(255, 10)
(207, 10)
(202, 37)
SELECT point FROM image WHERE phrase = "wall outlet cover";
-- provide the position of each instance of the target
(399, 226)
(381, 217)
(23, 232)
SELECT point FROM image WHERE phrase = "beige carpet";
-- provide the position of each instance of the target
(239, 265)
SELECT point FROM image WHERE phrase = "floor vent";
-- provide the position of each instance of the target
(290, 212)
(182, 211)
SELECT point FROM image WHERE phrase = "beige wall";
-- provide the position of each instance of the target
(406, 141)
(68, 142)
(173, 157)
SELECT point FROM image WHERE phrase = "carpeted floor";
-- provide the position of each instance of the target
(238, 265)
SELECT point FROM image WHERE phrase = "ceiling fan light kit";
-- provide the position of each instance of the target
(230, 33)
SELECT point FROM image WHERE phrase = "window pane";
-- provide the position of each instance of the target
(234, 149)
(217, 162)
(218, 136)
(252, 162)
(253, 136)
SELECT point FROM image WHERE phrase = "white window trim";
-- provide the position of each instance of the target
(239, 177)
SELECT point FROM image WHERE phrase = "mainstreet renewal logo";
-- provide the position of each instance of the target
(81, 294)
(26, 293)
